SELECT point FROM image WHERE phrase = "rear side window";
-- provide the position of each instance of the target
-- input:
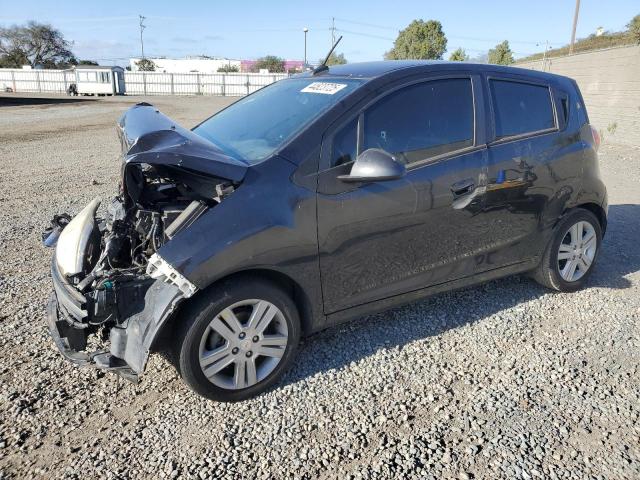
(520, 108)
(422, 120)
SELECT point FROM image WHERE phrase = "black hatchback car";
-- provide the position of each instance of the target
(321, 198)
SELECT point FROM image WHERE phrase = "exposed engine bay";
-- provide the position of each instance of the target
(157, 203)
(118, 263)
(109, 278)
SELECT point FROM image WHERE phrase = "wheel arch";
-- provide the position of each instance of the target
(286, 283)
(283, 281)
(597, 210)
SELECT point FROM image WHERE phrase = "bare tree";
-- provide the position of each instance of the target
(38, 43)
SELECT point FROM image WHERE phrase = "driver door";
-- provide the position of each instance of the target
(386, 238)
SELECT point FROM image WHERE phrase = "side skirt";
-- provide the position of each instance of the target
(405, 298)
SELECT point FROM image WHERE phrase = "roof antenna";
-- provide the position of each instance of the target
(323, 66)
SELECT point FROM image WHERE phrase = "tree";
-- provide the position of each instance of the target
(38, 43)
(146, 65)
(420, 40)
(501, 54)
(459, 55)
(87, 62)
(335, 59)
(270, 62)
(13, 59)
(228, 69)
(634, 28)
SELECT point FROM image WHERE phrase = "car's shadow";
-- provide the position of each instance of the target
(10, 101)
(339, 346)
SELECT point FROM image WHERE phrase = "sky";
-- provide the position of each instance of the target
(108, 31)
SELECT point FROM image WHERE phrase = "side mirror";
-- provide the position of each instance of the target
(374, 165)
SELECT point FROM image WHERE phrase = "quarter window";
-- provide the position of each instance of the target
(520, 108)
(422, 121)
(563, 111)
(345, 144)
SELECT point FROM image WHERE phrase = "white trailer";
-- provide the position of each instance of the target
(97, 80)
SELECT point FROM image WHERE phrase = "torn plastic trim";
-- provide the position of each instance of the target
(160, 269)
(133, 340)
(130, 342)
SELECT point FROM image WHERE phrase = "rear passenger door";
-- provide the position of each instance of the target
(382, 239)
(523, 170)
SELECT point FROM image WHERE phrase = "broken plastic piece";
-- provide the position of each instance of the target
(158, 268)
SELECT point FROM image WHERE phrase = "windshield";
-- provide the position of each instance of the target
(256, 126)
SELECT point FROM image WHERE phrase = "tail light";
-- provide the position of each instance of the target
(596, 137)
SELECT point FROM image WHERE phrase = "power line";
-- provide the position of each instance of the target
(259, 30)
(458, 37)
(477, 39)
(366, 24)
(365, 34)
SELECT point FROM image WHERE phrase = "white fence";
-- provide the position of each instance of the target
(53, 81)
(222, 84)
(143, 83)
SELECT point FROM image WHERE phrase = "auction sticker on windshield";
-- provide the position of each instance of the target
(323, 87)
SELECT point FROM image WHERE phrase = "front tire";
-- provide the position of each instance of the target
(572, 252)
(238, 340)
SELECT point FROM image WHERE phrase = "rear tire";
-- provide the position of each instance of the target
(237, 340)
(572, 252)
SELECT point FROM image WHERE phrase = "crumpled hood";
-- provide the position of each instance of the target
(148, 136)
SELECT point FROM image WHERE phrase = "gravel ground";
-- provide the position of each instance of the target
(503, 380)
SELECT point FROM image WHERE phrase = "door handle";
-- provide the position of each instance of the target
(463, 187)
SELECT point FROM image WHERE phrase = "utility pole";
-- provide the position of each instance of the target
(544, 57)
(333, 31)
(575, 24)
(142, 27)
(304, 66)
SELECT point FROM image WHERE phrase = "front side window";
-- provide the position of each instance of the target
(422, 121)
(520, 108)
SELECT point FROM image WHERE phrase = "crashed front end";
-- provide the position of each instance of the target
(113, 291)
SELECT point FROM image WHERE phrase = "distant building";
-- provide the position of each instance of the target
(187, 65)
(207, 64)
